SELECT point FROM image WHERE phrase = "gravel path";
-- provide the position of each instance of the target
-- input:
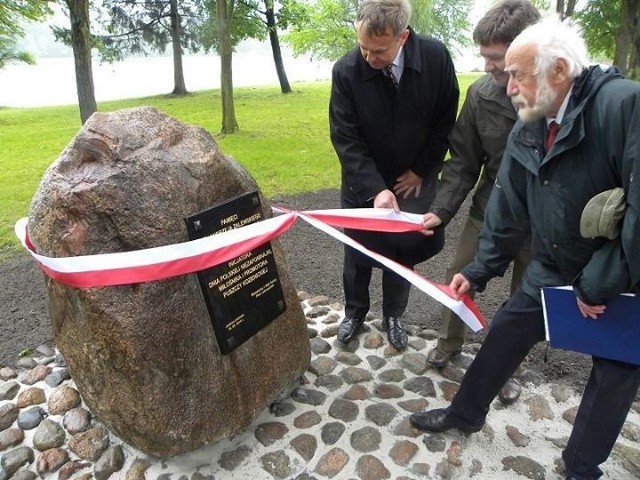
(347, 418)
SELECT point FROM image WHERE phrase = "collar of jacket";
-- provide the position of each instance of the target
(411, 58)
(490, 92)
(572, 130)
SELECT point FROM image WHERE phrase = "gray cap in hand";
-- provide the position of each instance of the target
(602, 214)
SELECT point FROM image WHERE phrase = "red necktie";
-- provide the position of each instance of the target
(553, 131)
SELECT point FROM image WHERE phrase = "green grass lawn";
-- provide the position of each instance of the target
(283, 140)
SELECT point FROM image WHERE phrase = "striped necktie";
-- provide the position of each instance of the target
(389, 73)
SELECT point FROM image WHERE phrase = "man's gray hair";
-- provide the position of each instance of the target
(554, 40)
(376, 17)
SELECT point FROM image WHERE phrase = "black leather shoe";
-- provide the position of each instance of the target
(396, 333)
(510, 392)
(348, 328)
(439, 358)
(439, 420)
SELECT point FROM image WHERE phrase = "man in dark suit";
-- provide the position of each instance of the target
(393, 103)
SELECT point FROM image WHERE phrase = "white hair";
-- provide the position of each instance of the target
(554, 39)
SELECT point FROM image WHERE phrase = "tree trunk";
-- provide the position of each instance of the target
(627, 37)
(634, 57)
(560, 8)
(634, 66)
(565, 9)
(621, 55)
(179, 87)
(224, 15)
(570, 8)
(275, 47)
(81, 44)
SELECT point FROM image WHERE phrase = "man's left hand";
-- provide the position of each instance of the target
(408, 183)
(386, 199)
(590, 311)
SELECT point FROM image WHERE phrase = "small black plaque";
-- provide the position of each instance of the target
(244, 294)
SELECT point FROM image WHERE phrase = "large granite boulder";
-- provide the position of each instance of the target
(144, 356)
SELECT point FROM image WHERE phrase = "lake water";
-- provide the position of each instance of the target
(52, 80)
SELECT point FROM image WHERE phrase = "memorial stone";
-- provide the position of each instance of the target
(144, 356)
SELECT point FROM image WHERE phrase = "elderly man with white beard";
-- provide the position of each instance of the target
(577, 137)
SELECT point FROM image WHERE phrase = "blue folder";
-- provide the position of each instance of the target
(615, 334)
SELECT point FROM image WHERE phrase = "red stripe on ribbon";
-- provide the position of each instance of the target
(161, 270)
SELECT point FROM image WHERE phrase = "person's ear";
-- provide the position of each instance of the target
(560, 71)
(404, 35)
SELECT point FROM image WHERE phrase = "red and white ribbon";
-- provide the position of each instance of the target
(466, 309)
(168, 261)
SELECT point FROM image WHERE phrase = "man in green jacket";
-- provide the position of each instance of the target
(476, 144)
(545, 183)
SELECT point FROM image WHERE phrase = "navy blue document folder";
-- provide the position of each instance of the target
(615, 334)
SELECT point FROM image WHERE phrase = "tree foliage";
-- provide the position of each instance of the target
(12, 14)
(245, 23)
(132, 26)
(139, 27)
(326, 29)
(600, 20)
(611, 30)
(445, 20)
(9, 52)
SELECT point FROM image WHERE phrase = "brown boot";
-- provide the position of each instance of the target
(439, 358)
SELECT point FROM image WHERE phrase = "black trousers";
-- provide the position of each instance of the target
(612, 386)
(356, 278)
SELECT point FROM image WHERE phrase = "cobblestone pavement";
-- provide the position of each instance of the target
(347, 418)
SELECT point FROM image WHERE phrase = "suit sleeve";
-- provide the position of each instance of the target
(429, 163)
(460, 173)
(359, 170)
(506, 226)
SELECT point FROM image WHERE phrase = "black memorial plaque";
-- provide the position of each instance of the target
(244, 294)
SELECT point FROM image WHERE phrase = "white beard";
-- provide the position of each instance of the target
(545, 97)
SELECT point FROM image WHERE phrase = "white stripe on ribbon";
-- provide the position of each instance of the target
(167, 261)
(378, 219)
(465, 308)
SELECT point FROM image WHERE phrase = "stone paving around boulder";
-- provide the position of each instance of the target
(347, 418)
